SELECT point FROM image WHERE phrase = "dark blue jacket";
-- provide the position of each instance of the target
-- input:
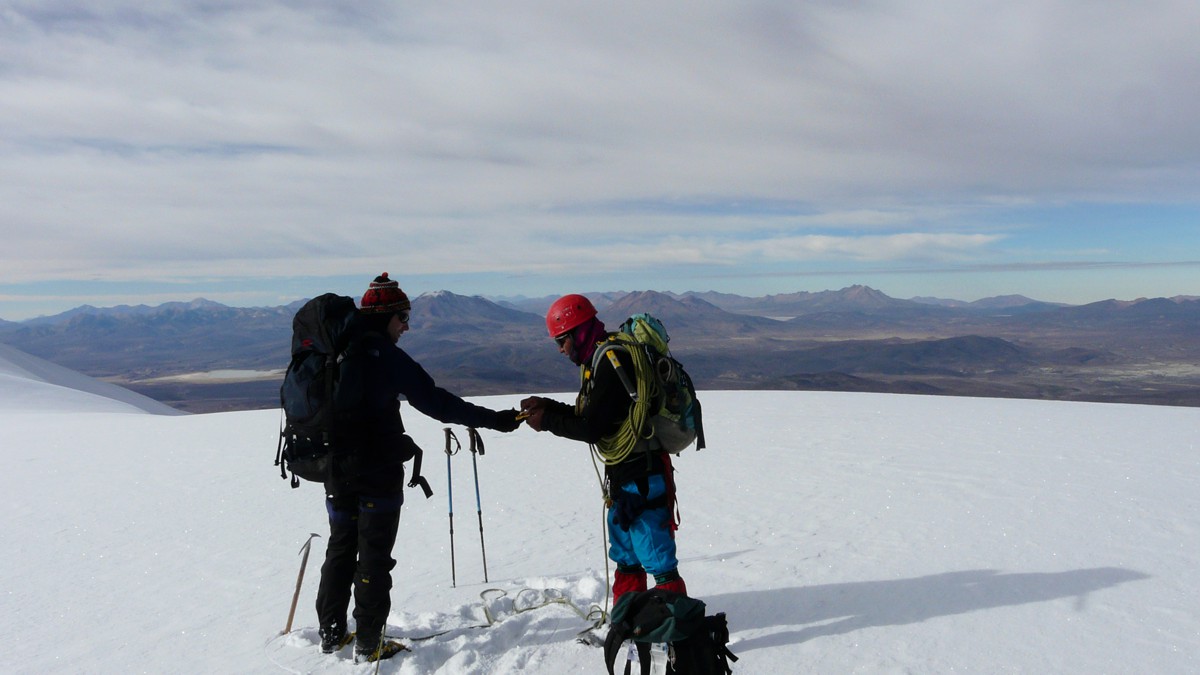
(375, 375)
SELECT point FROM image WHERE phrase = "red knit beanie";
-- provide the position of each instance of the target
(384, 297)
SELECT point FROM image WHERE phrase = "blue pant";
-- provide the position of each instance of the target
(648, 542)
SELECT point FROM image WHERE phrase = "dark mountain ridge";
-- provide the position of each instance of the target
(804, 302)
(858, 338)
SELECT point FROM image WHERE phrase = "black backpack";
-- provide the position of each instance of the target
(696, 644)
(309, 431)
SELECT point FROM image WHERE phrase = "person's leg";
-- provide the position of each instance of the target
(378, 522)
(629, 575)
(653, 542)
(337, 573)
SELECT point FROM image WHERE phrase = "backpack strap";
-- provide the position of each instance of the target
(606, 350)
(718, 630)
(699, 416)
(618, 636)
(417, 479)
(282, 434)
(672, 502)
(644, 658)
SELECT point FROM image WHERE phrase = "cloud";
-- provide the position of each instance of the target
(911, 247)
(202, 138)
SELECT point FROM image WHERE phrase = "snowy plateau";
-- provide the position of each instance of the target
(839, 532)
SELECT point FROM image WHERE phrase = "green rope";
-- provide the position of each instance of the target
(595, 614)
(635, 428)
(606, 502)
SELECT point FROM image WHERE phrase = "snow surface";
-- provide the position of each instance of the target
(841, 533)
(30, 383)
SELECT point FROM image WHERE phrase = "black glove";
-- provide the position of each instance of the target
(535, 418)
(532, 411)
(533, 403)
(505, 420)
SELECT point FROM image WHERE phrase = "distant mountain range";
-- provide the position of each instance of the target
(853, 339)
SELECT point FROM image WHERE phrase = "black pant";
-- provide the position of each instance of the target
(362, 531)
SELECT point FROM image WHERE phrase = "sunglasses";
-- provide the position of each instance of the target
(562, 339)
(403, 316)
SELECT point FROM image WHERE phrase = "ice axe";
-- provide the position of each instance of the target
(299, 580)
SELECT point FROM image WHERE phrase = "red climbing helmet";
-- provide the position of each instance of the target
(568, 312)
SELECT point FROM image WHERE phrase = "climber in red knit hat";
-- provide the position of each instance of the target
(363, 497)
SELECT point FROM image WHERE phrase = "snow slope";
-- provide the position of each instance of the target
(30, 383)
(841, 533)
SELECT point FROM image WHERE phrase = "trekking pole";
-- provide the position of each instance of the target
(477, 442)
(450, 496)
(299, 580)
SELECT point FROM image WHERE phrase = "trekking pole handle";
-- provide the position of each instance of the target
(451, 437)
(476, 440)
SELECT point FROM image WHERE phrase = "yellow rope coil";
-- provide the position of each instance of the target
(616, 448)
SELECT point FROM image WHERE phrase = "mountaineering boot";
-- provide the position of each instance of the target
(377, 652)
(628, 579)
(333, 638)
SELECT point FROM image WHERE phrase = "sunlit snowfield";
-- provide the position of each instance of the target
(839, 532)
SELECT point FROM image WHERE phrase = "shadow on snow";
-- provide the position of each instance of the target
(836, 609)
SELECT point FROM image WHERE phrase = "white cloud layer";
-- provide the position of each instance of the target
(199, 139)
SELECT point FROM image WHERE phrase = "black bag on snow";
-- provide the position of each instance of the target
(696, 644)
(308, 393)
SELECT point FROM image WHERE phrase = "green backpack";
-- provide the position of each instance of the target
(666, 414)
(696, 644)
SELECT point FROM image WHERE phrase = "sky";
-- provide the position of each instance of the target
(839, 532)
(260, 152)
